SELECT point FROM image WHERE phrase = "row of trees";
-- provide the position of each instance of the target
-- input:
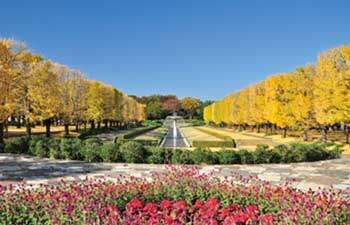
(313, 96)
(35, 90)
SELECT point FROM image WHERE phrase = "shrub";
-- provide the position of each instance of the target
(200, 156)
(54, 149)
(72, 148)
(157, 155)
(181, 157)
(297, 153)
(92, 152)
(262, 154)
(245, 156)
(16, 145)
(228, 157)
(110, 152)
(335, 152)
(133, 152)
(39, 148)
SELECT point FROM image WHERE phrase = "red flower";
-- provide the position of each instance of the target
(267, 219)
(165, 204)
(151, 208)
(133, 206)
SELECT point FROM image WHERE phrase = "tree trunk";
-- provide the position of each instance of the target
(324, 133)
(106, 124)
(66, 129)
(266, 128)
(346, 130)
(18, 122)
(48, 127)
(305, 135)
(98, 125)
(85, 125)
(28, 130)
(1, 133)
(284, 132)
(76, 127)
(92, 124)
(258, 128)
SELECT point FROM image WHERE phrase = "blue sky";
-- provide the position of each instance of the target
(203, 48)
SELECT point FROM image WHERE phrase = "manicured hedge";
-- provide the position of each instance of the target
(92, 150)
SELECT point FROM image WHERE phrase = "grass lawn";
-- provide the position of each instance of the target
(156, 134)
(243, 140)
(193, 134)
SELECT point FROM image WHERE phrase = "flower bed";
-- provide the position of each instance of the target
(180, 195)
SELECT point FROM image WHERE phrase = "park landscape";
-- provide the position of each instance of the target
(76, 150)
(64, 149)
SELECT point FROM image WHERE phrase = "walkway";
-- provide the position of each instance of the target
(18, 168)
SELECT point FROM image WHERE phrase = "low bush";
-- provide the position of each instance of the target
(203, 156)
(16, 145)
(157, 155)
(180, 156)
(228, 157)
(92, 152)
(245, 156)
(133, 152)
(110, 152)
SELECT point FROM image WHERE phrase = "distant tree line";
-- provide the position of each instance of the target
(160, 106)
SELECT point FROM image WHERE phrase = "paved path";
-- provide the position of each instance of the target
(33, 170)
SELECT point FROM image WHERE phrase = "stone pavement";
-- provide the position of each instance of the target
(18, 168)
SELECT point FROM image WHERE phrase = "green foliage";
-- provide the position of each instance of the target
(203, 156)
(16, 145)
(72, 148)
(157, 155)
(92, 150)
(92, 153)
(228, 157)
(180, 156)
(110, 153)
(245, 156)
(133, 152)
